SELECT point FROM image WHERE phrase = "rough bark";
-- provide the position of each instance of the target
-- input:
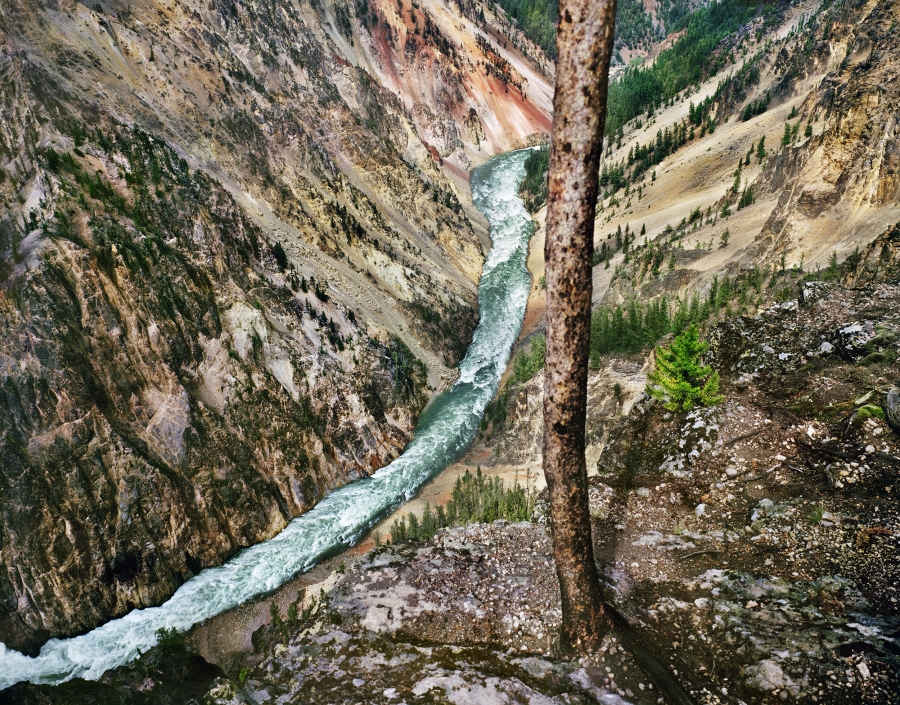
(584, 41)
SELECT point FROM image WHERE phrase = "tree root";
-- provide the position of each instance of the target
(700, 553)
(662, 678)
(754, 432)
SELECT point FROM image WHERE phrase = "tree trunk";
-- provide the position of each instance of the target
(584, 43)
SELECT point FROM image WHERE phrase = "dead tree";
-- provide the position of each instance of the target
(584, 45)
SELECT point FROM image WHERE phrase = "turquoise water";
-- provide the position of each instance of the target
(445, 430)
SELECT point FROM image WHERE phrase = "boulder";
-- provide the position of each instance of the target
(892, 408)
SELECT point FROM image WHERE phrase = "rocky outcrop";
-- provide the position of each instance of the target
(231, 274)
(892, 408)
(513, 430)
(845, 178)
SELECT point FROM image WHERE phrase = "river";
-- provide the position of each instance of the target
(445, 431)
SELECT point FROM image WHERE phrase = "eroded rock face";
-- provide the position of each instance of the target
(515, 437)
(232, 271)
(161, 413)
(824, 184)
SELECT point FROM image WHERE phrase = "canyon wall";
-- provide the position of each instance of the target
(237, 258)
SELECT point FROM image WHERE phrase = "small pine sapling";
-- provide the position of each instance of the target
(832, 271)
(681, 378)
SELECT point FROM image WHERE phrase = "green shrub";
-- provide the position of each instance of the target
(170, 639)
(534, 185)
(815, 516)
(475, 499)
(528, 364)
(680, 376)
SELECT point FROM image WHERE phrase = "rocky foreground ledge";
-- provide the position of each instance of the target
(470, 617)
(750, 549)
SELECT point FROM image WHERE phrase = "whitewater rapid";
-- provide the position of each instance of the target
(445, 430)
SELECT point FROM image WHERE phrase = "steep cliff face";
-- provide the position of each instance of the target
(829, 186)
(236, 257)
(674, 225)
(840, 188)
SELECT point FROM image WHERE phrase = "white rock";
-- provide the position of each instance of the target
(700, 510)
(768, 676)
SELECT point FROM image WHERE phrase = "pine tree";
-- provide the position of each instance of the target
(714, 290)
(736, 186)
(680, 376)
(832, 271)
(587, 38)
(761, 149)
(786, 137)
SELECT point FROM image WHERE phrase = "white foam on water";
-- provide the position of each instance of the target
(445, 430)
